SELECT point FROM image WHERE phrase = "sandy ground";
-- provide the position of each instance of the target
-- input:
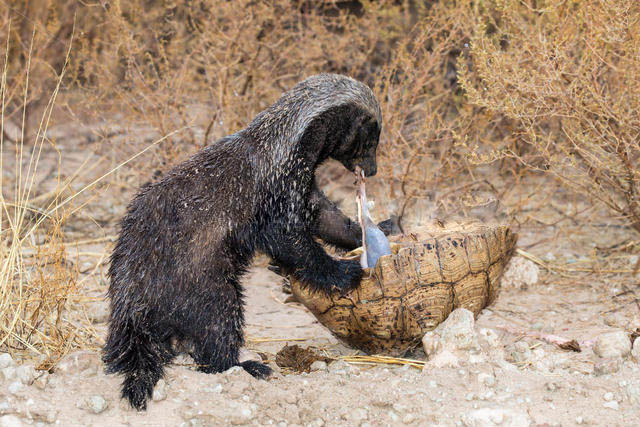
(530, 382)
(543, 386)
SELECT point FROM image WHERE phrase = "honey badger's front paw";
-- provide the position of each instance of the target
(330, 277)
(347, 276)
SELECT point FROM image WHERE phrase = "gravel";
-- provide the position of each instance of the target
(318, 365)
(612, 344)
(96, 404)
(160, 392)
(10, 421)
(6, 360)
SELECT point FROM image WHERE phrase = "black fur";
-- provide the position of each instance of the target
(187, 239)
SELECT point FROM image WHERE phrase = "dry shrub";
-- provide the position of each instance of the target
(568, 73)
(37, 276)
(208, 67)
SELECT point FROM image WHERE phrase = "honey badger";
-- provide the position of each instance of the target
(186, 239)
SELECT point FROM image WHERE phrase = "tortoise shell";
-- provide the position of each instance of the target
(430, 272)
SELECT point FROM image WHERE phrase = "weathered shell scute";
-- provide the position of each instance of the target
(429, 274)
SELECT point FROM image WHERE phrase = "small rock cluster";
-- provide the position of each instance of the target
(456, 339)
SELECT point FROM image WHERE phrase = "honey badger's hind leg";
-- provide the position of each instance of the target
(216, 328)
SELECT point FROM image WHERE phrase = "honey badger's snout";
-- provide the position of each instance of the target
(368, 166)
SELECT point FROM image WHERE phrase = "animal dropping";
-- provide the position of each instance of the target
(374, 243)
(427, 275)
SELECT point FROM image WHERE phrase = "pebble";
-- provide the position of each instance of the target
(339, 367)
(551, 386)
(408, 419)
(41, 381)
(486, 417)
(579, 420)
(612, 344)
(608, 396)
(9, 373)
(160, 391)
(357, 415)
(635, 352)
(487, 379)
(6, 360)
(26, 374)
(318, 365)
(457, 331)
(633, 393)
(10, 421)
(96, 404)
(443, 359)
(77, 362)
(611, 405)
(520, 273)
(607, 366)
(16, 387)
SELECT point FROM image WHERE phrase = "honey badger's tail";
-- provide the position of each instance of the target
(135, 353)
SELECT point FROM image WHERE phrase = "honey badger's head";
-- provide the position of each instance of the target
(324, 116)
(358, 148)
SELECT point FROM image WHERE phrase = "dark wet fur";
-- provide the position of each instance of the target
(188, 238)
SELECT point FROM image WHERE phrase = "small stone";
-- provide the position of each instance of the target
(42, 412)
(444, 359)
(486, 417)
(26, 374)
(16, 387)
(41, 380)
(408, 419)
(160, 391)
(457, 331)
(8, 373)
(612, 344)
(318, 365)
(520, 273)
(433, 384)
(486, 379)
(339, 367)
(357, 415)
(611, 405)
(551, 386)
(10, 421)
(96, 404)
(607, 366)
(78, 361)
(635, 352)
(246, 354)
(633, 393)
(608, 396)
(521, 352)
(234, 370)
(393, 416)
(579, 420)
(6, 360)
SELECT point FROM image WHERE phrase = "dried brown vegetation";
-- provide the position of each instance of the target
(568, 75)
(475, 94)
